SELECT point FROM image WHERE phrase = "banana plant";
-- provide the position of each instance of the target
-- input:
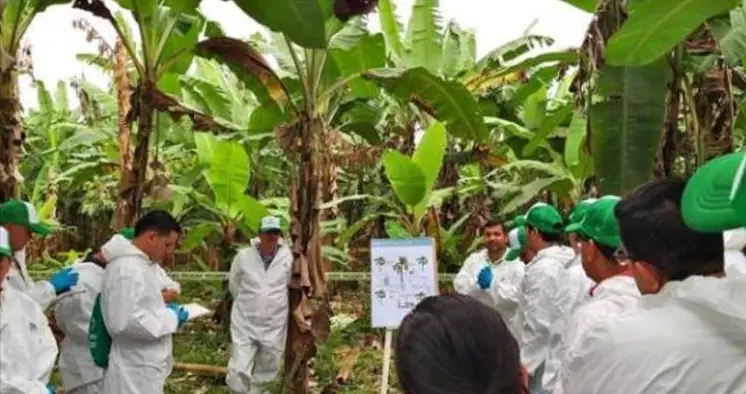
(15, 18)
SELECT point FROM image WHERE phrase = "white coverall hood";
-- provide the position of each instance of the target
(137, 319)
(258, 317)
(735, 262)
(27, 345)
(675, 341)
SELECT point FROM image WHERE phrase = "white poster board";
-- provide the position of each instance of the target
(403, 272)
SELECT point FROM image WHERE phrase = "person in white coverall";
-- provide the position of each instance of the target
(686, 334)
(544, 299)
(20, 220)
(259, 278)
(137, 319)
(616, 291)
(28, 349)
(734, 242)
(79, 373)
(488, 276)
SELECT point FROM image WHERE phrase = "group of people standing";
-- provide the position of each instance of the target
(641, 294)
(124, 287)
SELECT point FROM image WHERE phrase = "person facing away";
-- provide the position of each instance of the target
(492, 278)
(258, 281)
(454, 344)
(686, 334)
(544, 299)
(20, 221)
(80, 375)
(28, 349)
(616, 290)
(137, 319)
(734, 242)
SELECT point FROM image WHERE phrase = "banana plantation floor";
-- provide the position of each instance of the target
(349, 362)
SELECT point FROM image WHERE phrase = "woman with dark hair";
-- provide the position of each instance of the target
(453, 344)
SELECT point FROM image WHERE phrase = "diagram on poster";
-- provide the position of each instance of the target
(403, 273)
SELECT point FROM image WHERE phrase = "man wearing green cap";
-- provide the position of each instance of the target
(544, 299)
(258, 281)
(20, 220)
(686, 333)
(616, 290)
(28, 350)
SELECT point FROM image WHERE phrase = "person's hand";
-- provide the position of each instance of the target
(180, 312)
(170, 295)
(484, 279)
(64, 280)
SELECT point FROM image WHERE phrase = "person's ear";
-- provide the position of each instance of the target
(649, 280)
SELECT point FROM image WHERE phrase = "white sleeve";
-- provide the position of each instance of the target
(465, 281)
(46, 356)
(124, 313)
(43, 293)
(584, 361)
(538, 309)
(235, 274)
(13, 383)
(506, 287)
(167, 282)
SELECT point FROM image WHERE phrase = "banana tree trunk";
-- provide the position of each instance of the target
(11, 135)
(306, 328)
(122, 83)
(132, 193)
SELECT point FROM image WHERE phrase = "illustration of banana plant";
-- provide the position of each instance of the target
(380, 295)
(422, 261)
(401, 267)
(380, 262)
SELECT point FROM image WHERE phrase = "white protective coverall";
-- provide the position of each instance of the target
(688, 338)
(79, 374)
(18, 278)
(610, 298)
(733, 242)
(138, 321)
(503, 293)
(28, 349)
(258, 317)
(544, 300)
(576, 290)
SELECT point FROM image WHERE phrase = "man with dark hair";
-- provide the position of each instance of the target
(491, 278)
(686, 335)
(544, 298)
(139, 323)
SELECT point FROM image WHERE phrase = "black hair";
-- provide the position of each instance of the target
(653, 231)
(493, 223)
(454, 344)
(159, 221)
(547, 237)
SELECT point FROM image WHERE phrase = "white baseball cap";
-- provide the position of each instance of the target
(269, 223)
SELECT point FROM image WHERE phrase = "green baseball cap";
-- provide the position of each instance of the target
(543, 217)
(577, 214)
(714, 198)
(517, 238)
(128, 233)
(5, 243)
(23, 214)
(600, 224)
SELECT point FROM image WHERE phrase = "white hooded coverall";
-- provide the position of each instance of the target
(544, 300)
(258, 318)
(733, 242)
(18, 278)
(610, 298)
(28, 349)
(688, 338)
(503, 293)
(138, 321)
(79, 374)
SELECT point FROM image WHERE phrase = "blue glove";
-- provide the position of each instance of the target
(484, 279)
(64, 280)
(51, 389)
(180, 312)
